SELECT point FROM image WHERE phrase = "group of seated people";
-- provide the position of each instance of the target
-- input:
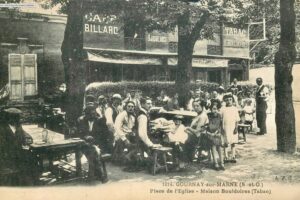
(123, 127)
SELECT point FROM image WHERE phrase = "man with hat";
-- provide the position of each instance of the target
(91, 129)
(112, 111)
(125, 137)
(110, 114)
(261, 97)
(102, 105)
(12, 140)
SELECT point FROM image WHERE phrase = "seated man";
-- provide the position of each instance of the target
(143, 126)
(13, 154)
(125, 138)
(90, 128)
(143, 122)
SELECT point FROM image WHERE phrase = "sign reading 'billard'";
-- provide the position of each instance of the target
(102, 30)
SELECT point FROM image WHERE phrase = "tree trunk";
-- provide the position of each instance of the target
(72, 57)
(284, 60)
(185, 56)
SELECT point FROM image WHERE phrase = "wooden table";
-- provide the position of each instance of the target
(59, 146)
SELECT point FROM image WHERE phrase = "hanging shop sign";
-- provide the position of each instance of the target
(203, 62)
(122, 59)
(235, 42)
(104, 32)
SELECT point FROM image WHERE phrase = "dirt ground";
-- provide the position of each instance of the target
(257, 160)
(274, 175)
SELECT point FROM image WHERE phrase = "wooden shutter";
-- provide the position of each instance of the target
(15, 76)
(30, 74)
(22, 75)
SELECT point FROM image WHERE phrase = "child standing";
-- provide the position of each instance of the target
(230, 118)
(215, 135)
(249, 112)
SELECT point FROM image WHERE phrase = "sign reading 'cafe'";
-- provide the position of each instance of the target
(104, 30)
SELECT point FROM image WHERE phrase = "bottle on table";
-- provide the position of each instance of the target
(45, 134)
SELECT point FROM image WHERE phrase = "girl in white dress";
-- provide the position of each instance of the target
(230, 119)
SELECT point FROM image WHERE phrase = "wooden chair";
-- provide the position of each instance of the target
(160, 152)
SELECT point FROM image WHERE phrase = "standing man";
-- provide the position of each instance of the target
(112, 111)
(110, 115)
(261, 97)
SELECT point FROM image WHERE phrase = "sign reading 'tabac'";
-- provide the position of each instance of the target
(103, 32)
(235, 42)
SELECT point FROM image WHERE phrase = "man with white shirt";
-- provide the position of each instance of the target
(262, 96)
(112, 111)
(125, 138)
(143, 122)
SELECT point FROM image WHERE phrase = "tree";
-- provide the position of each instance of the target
(284, 61)
(194, 21)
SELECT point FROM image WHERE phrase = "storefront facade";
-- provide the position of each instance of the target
(112, 56)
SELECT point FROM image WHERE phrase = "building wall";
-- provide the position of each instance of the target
(39, 32)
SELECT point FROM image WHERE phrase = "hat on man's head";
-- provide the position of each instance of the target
(117, 96)
(227, 95)
(180, 117)
(14, 111)
(101, 97)
(221, 89)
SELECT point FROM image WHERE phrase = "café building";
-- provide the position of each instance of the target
(113, 56)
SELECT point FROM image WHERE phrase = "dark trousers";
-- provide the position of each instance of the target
(261, 117)
(190, 147)
(97, 168)
(106, 142)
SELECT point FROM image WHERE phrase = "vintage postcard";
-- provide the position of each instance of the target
(149, 99)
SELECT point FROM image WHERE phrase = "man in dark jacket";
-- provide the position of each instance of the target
(13, 154)
(90, 128)
(262, 96)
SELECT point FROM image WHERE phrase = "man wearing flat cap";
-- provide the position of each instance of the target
(90, 128)
(12, 153)
(261, 97)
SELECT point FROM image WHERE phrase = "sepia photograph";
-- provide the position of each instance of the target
(149, 99)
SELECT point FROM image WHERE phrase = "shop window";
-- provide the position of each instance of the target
(214, 76)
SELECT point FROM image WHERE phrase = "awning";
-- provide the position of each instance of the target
(123, 59)
(203, 62)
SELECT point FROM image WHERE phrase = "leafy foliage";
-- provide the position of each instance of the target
(148, 88)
